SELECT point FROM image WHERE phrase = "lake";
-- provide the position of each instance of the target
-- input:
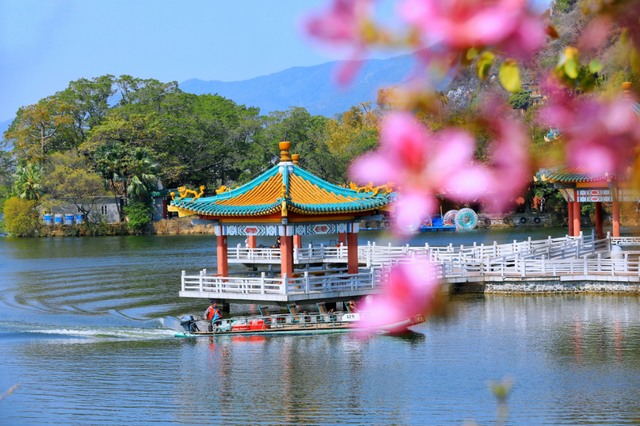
(86, 327)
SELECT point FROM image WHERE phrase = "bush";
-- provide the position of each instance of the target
(20, 217)
(139, 214)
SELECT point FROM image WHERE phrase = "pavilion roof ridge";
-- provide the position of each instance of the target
(574, 174)
(284, 186)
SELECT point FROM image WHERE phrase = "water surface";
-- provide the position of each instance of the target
(85, 327)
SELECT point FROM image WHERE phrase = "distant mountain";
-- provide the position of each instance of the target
(309, 87)
(4, 125)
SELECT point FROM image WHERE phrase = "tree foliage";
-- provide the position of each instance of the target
(39, 129)
(138, 215)
(69, 179)
(20, 217)
(520, 100)
(28, 181)
(127, 171)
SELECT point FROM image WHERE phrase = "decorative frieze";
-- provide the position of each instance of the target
(298, 229)
(595, 195)
(629, 195)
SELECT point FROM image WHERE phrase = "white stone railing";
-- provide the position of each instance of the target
(625, 241)
(542, 268)
(315, 281)
(379, 255)
(311, 252)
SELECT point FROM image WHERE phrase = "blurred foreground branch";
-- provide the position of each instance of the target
(10, 391)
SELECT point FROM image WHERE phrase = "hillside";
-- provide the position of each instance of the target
(466, 89)
(309, 87)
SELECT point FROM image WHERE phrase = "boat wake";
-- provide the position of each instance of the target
(154, 329)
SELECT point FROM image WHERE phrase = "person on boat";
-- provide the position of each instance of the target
(277, 244)
(351, 306)
(213, 314)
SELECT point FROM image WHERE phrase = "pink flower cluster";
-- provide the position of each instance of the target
(601, 136)
(505, 25)
(409, 290)
(455, 26)
(343, 25)
(423, 164)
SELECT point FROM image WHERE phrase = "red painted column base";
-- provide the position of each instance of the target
(286, 256)
(570, 207)
(577, 214)
(599, 229)
(352, 252)
(223, 266)
(616, 219)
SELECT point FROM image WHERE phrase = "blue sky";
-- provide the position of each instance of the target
(44, 44)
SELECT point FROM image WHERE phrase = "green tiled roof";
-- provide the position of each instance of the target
(575, 174)
(301, 191)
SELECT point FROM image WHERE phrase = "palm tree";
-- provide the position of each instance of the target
(28, 180)
(143, 174)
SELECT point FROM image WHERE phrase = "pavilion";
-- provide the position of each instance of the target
(286, 202)
(580, 185)
(577, 186)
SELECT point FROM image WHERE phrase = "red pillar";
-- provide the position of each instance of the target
(342, 237)
(616, 219)
(570, 206)
(297, 241)
(164, 209)
(286, 255)
(599, 231)
(223, 266)
(352, 252)
(576, 218)
(252, 241)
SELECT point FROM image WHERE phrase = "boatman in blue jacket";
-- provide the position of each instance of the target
(213, 314)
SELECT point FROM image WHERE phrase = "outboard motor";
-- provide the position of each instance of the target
(189, 323)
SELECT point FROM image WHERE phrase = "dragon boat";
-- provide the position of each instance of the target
(321, 322)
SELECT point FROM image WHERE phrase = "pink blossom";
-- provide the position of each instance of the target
(342, 25)
(462, 24)
(410, 210)
(511, 167)
(596, 33)
(409, 290)
(422, 164)
(601, 136)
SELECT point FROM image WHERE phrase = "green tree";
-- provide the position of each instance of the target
(7, 171)
(28, 182)
(143, 92)
(134, 131)
(520, 100)
(39, 129)
(89, 100)
(212, 140)
(138, 215)
(68, 179)
(142, 173)
(126, 171)
(20, 217)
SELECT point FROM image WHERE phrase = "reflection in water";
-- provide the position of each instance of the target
(82, 327)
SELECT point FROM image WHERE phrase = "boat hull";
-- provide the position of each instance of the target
(309, 329)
